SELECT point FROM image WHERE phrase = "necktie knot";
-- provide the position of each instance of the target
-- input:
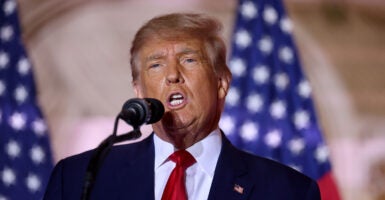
(182, 158)
(175, 188)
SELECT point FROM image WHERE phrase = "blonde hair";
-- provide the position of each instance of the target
(200, 26)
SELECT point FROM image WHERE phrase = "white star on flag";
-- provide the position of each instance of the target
(296, 145)
(227, 124)
(242, 38)
(286, 25)
(13, 149)
(9, 7)
(21, 94)
(6, 33)
(23, 66)
(286, 54)
(301, 119)
(2, 87)
(265, 44)
(8, 176)
(254, 103)
(304, 89)
(4, 60)
(33, 182)
(249, 131)
(270, 15)
(281, 81)
(39, 127)
(322, 154)
(249, 10)
(17, 121)
(237, 67)
(278, 109)
(37, 154)
(273, 138)
(261, 74)
(232, 96)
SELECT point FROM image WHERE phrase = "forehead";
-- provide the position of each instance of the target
(179, 45)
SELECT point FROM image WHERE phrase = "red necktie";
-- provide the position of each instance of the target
(175, 187)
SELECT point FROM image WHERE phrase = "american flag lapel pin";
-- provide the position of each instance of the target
(238, 188)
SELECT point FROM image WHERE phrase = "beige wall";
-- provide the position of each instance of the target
(80, 55)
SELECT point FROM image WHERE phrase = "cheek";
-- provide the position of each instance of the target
(207, 90)
(152, 87)
(153, 76)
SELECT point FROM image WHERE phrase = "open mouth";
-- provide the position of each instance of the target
(176, 99)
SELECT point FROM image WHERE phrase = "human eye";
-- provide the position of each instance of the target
(154, 65)
(189, 60)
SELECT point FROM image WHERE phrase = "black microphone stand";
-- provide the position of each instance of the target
(100, 154)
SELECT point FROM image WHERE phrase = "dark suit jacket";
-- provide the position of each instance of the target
(128, 173)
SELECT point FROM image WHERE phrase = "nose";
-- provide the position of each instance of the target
(174, 75)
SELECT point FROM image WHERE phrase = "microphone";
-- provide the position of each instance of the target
(135, 112)
(138, 111)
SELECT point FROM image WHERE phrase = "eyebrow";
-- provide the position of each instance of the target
(189, 51)
(160, 55)
(155, 56)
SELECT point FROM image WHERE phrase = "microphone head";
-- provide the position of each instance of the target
(138, 111)
(157, 110)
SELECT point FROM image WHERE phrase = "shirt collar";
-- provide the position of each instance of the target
(163, 150)
(206, 152)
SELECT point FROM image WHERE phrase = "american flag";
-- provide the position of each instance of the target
(269, 109)
(25, 157)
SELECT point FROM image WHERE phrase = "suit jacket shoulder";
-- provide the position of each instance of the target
(126, 171)
(240, 175)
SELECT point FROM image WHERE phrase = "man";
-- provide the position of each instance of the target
(180, 59)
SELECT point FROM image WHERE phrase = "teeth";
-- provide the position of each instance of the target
(176, 102)
(176, 96)
(176, 99)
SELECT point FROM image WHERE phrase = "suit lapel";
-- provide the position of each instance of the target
(231, 176)
(135, 178)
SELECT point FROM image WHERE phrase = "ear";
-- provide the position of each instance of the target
(138, 89)
(223, 86)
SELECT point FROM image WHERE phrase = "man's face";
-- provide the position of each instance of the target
(179, 74)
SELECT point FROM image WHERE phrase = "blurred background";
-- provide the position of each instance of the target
(80, 53)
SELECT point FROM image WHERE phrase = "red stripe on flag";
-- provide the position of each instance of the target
(328, 187)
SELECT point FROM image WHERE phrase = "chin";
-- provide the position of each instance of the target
(172, 117)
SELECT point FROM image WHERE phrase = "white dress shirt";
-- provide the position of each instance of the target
(199, 176)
